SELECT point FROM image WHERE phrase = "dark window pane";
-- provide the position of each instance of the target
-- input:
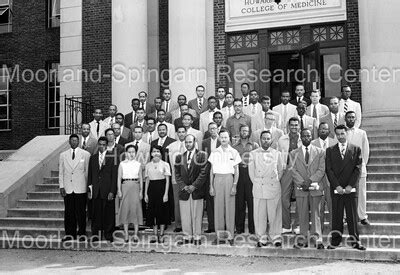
(51, 110)
(51, 94)
(51, 122)
(57, 109)
(4, 125)
(57, 94)
(3, 83)
(3, 112)
(57, 122)
(3, 98)
(4, 13)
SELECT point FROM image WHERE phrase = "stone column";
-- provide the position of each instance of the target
(380, 57)
(187, 47)
(129, 51)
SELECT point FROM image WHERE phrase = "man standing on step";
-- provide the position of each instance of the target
(87, 141)
(73, 167)
(346, 104)
(359, 138)
(343, 167)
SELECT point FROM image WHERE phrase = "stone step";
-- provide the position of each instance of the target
(384, 217)
(51, 180)
(384, 145)
(373, 160)
(385, 177)
(383, 206)
(54, 174)
(383, 138)
(383, 195)
(383, 153)
(41, 203)
(31, 222)
(383, 186)
(47, 187)
(44, 195)
(383, 168)
(36, 212)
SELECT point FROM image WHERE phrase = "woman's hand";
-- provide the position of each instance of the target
(146, 198)
(119, 193)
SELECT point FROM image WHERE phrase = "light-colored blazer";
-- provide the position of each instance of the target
(311, 124)
(276, 134)
(314, 170)
(174, 149)
(173, 105)
(205, 120)
(249, 109)
(291, 112)
(283, 147)
(331, 142)
(265, 171)
(73, 174)
(126, 133)
(328, 119)
(322, 110)
(257, 122)
(225, 114)
(352, 106)
(93, 128)
(198, 135)
(193, 105)
(91, 144)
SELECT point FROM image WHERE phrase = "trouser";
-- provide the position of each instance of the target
(210, 209)
(340, 203)
(224, 204)
(268, 210)
(178, 222)
(171, 203)
(75, 214)
(362, 198)
(326, 203)
(244, 195)
(103, 217)
(310, 206)
(192, 217)
(287, 191)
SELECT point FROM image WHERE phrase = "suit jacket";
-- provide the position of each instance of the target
(322, 110)
(168, 117)
(283, 147)
(193, 104)
(102, 179)
(73, 174)
(175, 114)
(331, 142)
(249, 109)
(314, 170)
(195, 124)
(146, 137)
(276, 135)
(306, 99)
(129, 119)
(225, 114)
(107, 121)
(149, 108)
(122, 141)
(207, 133)
(175, 149)
(311, 124)
(93, 129)
(352, 106)
(144, 126)
(328, 119)
(205, 120)
(198, 135)
(343, 172)
(170, 130)
(206, 145)
(257, 121)
(126, 133)
(173, 105)
(291, 112)
(219, 105)
(196, 175)
(167, 142)
(91, 144)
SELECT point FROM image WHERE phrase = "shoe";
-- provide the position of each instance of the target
(209, 231)
(359, 247)
(197, 242)
(320, 246)
(331, 247)
(67, 238)
(177, 230)
(260, 244)
(286, 231)
(183, 242)
(82, 238)
(278, 244)
(215, 242)
(365, 222)
(297, 230)
(231, 242)
(300, 245)
(94, 239)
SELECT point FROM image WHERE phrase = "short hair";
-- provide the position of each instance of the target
(316, 91)
(161, 110)
(135, 99)
(151, 118)
(228, 93)
(140, 109)
(73, 136)
(333, 97)
(302, 102)
(120, 114)
(294, 119)
(188, 114)
(129, 147)
(217, 113)
(345, 86)
(108, 130)
(270, 113)
(182, 95)
(138, 127)
(158, 98)
(242, 126)
(341, 127)
(161, 125)
(200, 86)
(221, 88)
(284, 92)
(85, 124)
(142, 92)
(113, 105)
(350, 112)
(211, 97)
(237, 100)
(224, 131)
(95, 109)
(158, 147)
(180, 127)
(254, 91)
(322, 124)
(184, 104)
(102, 139)
(265, 98)
(299, 84)
(212, 123)
(265, 132)
(305, 129)
(245, 84)
(190, 135)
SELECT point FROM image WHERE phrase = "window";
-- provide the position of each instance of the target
(53, 96)
(5, 102)
(54, 13)
(5, 16)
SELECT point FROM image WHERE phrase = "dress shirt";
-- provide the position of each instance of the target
(140, 123)
(246, 100)
(85, 141)
(221, 102)
(214, 143)
(224, 161)
(324, 143)
(102, 157)
(333, 118)
(230, 111)
(161, 140)
(233, 123)
(244, 151)
(117, 139)
(343, 149)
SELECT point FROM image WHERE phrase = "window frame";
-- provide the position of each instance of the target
(8, 26)
(7, 91)
(51, 18)
(53, 88)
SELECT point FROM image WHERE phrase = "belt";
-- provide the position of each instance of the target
(123, 180)
(241, 165)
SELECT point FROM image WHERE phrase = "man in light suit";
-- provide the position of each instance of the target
(300, 91)
(324, 142)
(228, 110)
(97, 126)
(140, 114)
(175, 114)
(168, 104)
(125, 131)
(191, 174)
(110, 120)
(73, 176)
(257, 122)
(334, 118)
(286, 144)
(308, 170)
(86, 140)
(147, 107)
(199, 104)
(316, 109)
(187, 122)
(343, 167)
(254, 108)
(217, 118)
(220, 95)
(286, 110)
(207, 116)
(359, 138)
(265, 171)
(131, 117)
(268, 125)
(306, 122)
(346, 104)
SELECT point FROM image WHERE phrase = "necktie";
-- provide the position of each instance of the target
(136, 146)
(298, 100)
(253, 111)
(98, 128)
(182, 148)
(142, 105)
(166, 106)
(301, 123)
(343, 152)
(324, 146)
(84, 144)
(307, 156)
(245, 101)
(200, 104)
(189, 159)
(335, 122)
(101, 159)
(150, 137)
(345, 107)
(314, 114)
(229, 112)
(73, 154)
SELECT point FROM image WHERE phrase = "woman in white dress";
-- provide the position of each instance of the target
(130, 186)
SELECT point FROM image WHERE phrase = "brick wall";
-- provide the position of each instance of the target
(163, 43)
(96, 51)
(30, 45)
(219, 41)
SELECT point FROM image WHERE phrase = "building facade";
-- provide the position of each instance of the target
(107, 51)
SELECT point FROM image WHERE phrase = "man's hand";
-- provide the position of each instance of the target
(110, 196)
(348, 189)
(305, 186)
(146, 198)
(62, 192)
(191, 188)
(119, 194)
(212, 192)
(89, 195)
(140, 195)
(165, 198)
(340, 190)
(233, 190)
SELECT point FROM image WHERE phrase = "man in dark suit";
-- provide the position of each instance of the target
(163, 140)
(217, 118)
(343, 168)
(131, 117)
(140, 114)
(199, 104)
(300, 91)
(118, 138)
(102, 182)
(147, 107)
(157, 107)
(125, 131)
(191, 175)
(220, 95)
(209, 145)
(184, 110)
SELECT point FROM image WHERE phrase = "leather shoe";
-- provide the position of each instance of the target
(330, 247)
(231, 242)
(320, 246)
(177, 230)
(82, 238)
(365, 222)
(278, 244)
(197, 242)
(260, 244)
(209, 231)
(359, 247)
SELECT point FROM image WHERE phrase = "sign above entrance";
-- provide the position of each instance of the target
(262, 14)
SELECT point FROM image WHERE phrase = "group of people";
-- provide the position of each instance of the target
(171, 160)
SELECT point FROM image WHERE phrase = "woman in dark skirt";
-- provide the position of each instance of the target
(157, 175)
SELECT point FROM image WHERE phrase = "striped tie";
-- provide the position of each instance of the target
(335, 122)
(200, 104)
(345, 107)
